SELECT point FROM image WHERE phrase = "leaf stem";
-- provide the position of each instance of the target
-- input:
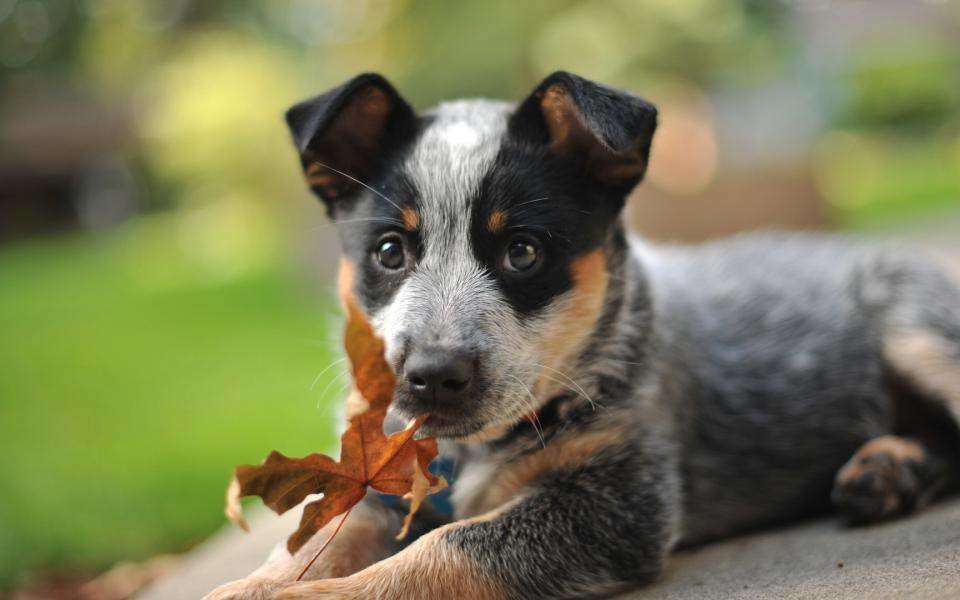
(325, 544)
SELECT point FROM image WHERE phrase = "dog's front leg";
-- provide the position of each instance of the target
(366, 537)
(582, 532)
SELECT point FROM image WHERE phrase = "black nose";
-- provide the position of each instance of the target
(439, 374)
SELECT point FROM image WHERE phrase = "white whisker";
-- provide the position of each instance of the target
(525, 202)
(624, 362)
(561, 383)
(327, 368)
(582, 391)
(387, 220)
(355, 180)
(326, 388)
(545, 231)
(537, 427)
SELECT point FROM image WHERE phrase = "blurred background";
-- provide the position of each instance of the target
(165, 305)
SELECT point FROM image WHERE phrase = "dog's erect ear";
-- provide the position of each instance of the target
(345, 134)
(607, 130)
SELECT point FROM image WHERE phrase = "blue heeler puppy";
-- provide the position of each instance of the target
(601, 399)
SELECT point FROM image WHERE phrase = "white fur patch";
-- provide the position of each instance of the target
(461, 134)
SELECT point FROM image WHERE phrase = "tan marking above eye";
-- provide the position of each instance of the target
(411, 218)
(497, 221)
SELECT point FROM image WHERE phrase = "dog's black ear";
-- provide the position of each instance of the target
(345, 135)
(607, 130)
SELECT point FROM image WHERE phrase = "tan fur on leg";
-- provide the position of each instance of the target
(929, 362)
(365, 538)
(563, 453)
(428, 568)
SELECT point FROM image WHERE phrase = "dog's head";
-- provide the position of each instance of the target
(474, 234)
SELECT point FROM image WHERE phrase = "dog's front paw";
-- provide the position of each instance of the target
(250, 588)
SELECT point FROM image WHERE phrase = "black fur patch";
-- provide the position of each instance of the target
(545, 197)
(606, 130)
(348, 134)
(363, 226)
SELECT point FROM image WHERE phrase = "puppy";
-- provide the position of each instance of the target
(603, 400)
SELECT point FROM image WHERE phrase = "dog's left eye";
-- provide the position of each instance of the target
(522, 256)
(390, 253)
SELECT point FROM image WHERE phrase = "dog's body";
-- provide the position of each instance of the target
(605, 400)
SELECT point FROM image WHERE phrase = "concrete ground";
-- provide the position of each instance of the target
(917, 558)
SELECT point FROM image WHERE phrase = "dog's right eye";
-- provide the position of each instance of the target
(390, 253)
(523, 256)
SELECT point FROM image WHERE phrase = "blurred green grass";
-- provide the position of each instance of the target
(876, 182)
(124, 406)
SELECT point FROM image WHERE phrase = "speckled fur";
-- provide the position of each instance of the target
(719, 388)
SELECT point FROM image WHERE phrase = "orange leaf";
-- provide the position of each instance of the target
(397, 464)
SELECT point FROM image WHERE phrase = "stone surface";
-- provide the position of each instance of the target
(917, 558)
(228, 555)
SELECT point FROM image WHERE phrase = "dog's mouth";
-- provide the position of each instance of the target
(462, 425)
(451, 422)
(449, 427)
(439, 421)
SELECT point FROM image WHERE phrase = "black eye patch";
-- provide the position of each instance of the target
(390, 213)
(530, 194)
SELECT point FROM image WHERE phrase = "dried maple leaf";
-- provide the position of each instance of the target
(397, 464)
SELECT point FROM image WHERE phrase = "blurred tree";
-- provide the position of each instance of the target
(41, 37)
(905, 81)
